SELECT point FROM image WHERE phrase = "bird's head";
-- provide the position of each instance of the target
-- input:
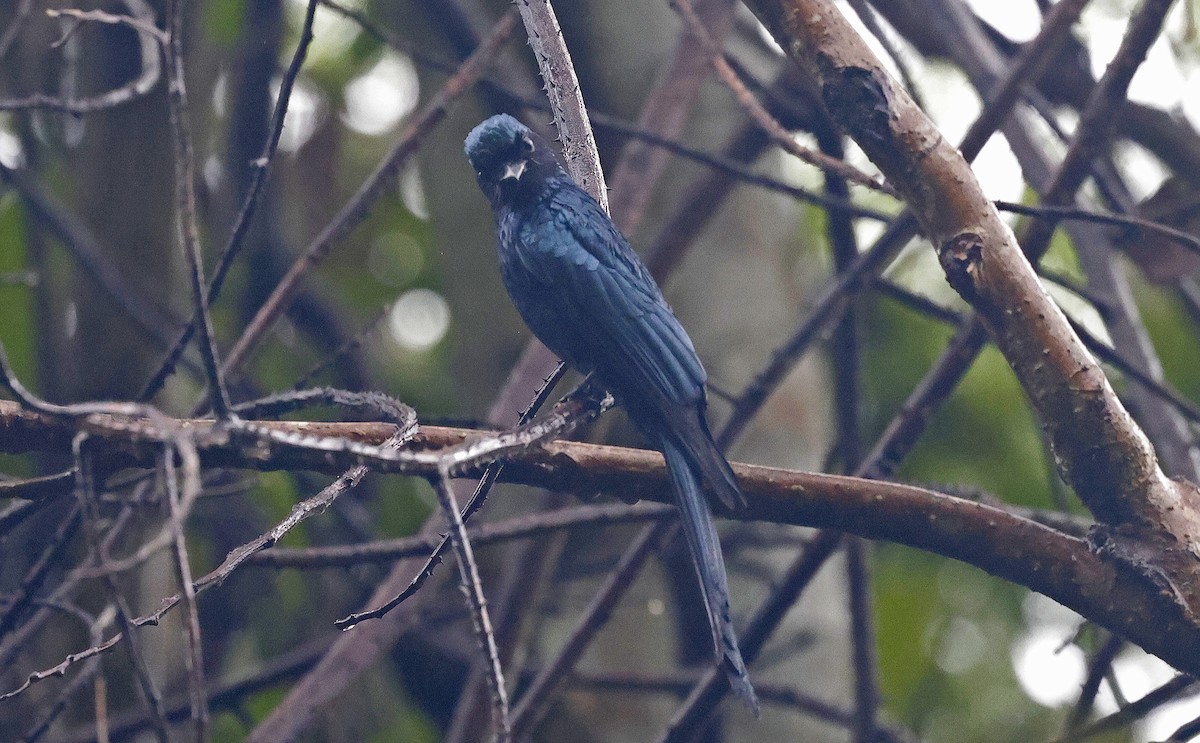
(508, 157)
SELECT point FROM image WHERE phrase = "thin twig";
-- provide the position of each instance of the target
(100, 16)
(227, 695)
(16, 600)
(566, 99)
(828, 310)
(613, 124)
(86, 249)
(482, 488)
(186, 226)
(1033, 58)
(679, 684)
(665, 111)
(534, 703)
(1102, 350)
(870, 20)
(236, 557)
(1186, 732)
(523, 527)
(138, 87)
(991, 538)
(702, 702)
(844, 246)
(356, 209)
(967, 344)
(1098, 667)
(1126, 716)
(1096, 122)
(86, 493)
(16, 641)
(94, 627)
(344, 351)
(763, 118)
(473, 589)
(254, 192)
(178, 508)
(20, 17)
(1055, 213)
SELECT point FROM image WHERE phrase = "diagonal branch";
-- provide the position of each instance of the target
(186, 226)
(1101, 450)
(472, 587)
(355, 210)
(566, 99)
(250, 204)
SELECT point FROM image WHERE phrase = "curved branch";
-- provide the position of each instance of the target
(1101, 450)
(1064, 567)
(149, 38)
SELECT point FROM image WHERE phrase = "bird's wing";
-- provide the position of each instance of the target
(639, 345)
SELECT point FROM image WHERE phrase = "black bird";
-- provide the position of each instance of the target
(585, 293)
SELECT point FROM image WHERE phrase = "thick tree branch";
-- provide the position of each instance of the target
(1101, 450)
(1017, 549)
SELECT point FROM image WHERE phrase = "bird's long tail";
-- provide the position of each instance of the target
(701, 533)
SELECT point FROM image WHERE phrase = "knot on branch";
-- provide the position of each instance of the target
(961, 257)
(1157, 557)
(858, 99)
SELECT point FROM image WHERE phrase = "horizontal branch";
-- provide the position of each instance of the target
(1063, 567)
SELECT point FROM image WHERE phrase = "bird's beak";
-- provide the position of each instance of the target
(514, 170)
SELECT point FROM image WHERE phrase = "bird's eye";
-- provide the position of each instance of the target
(525, 144)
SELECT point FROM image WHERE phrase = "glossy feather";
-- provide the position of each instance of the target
(587, 295)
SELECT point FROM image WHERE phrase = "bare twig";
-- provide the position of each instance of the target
(1098, 666)
(148, 45)
(258, 180)
(86, 493)
(473, 588)
(702, 702)
(870, 20)
(19, 598)
(990, 538)
(1065, 213)
(178, 508)
(847, 370)
(1031, 61)
(86, 249)
(19, 18)
(346, 350)
(566, 99)
(1102, 350)
(227, 695)
(355, 210)
(99, 16)
(236, 557)
(763, 118)
(482, 488)
(665, 112)
(862, 629)
(95, 628)
(828, 310)
(680, 684)
(186, 228)
(1173, 689)
(534, 702)
(523, 527)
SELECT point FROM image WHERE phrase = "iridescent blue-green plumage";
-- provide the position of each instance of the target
(585, 294)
